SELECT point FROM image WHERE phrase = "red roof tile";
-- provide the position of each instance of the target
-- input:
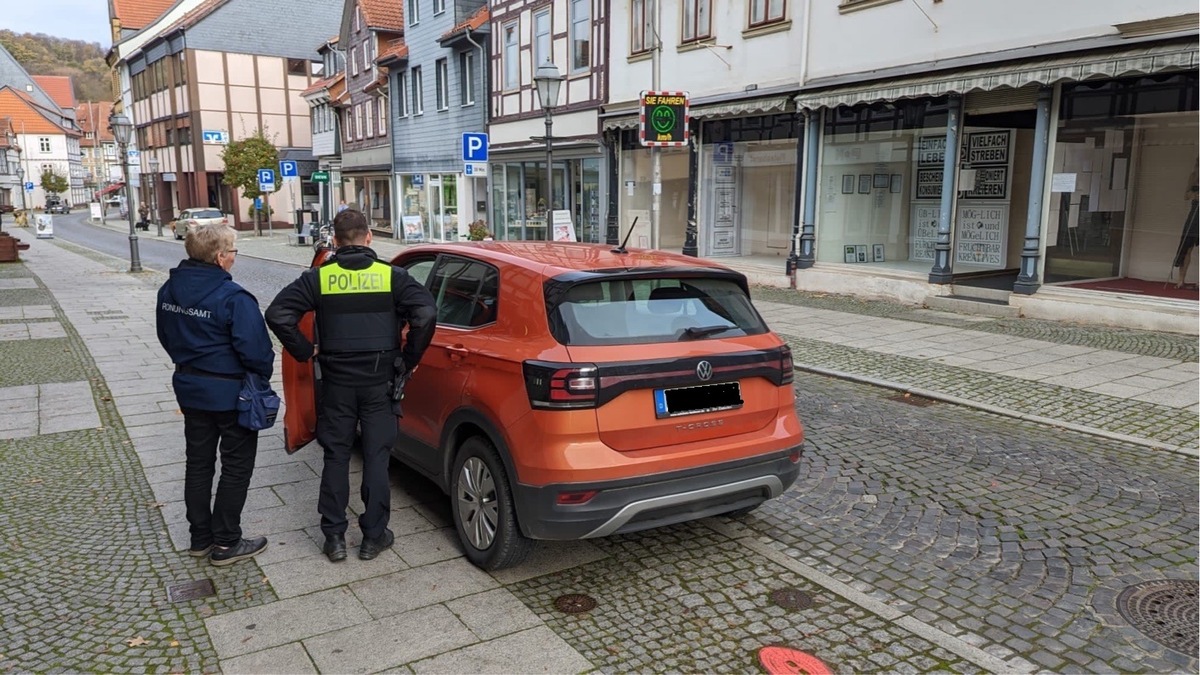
(473, 22)
(325, 83)
(93, 118)
(137, 14)
(397, 50)
(28, 117)
(384, 14)
(58, 87)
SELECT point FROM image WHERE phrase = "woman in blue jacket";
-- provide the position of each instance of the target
(213, 331)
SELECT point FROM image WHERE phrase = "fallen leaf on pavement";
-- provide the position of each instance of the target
(33, 481)
(174, 643)
(136, 642)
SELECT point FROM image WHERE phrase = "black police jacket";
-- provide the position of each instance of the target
(362, 364)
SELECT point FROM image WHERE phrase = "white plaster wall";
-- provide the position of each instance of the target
(729, 64)
(915, 31)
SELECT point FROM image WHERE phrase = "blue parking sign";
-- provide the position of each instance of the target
(288, 168)
(474, 147)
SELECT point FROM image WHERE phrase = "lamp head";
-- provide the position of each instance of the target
(153, 165)
(121, 127)
(548, 80)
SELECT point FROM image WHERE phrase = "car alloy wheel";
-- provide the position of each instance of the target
(484, 513)
(477, 503)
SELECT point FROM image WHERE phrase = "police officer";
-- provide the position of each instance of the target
(361, 305)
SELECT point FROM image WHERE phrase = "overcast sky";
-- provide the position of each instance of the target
(74, 19)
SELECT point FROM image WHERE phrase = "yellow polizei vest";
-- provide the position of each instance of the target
(337, 280)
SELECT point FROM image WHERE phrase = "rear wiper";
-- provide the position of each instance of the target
(704, 331)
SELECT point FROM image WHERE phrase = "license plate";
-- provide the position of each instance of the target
(695, 400)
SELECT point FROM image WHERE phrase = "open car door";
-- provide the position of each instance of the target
(300, 387)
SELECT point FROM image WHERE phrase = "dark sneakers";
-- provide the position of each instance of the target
(373, 547)
(335, 548)
(243, 550)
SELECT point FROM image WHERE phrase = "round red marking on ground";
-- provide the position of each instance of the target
(784, 661)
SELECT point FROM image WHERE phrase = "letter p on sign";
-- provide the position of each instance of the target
(474, 147)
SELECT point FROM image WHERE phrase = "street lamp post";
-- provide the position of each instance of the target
(548, 81)
(154, 194)
(21, 180)
(122, 128)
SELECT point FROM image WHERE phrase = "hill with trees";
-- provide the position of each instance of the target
(47, 55)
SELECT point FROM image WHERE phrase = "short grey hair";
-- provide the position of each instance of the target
(205, 242)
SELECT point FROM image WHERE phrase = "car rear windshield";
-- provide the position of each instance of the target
(639, 311)
(206, 213)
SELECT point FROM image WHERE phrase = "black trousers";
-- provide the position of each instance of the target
(216, 521)
(343, 408)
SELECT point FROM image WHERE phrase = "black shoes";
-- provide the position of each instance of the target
(373, 547)
(243, 550)
(199, 551)
(335, 548)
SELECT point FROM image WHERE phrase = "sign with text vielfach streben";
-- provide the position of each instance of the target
(664, 119)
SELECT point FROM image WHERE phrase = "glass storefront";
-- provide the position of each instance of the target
(519, 205)
(637, 198)
(1123, 179)
(748, 185)
(373, 195)
(429, 207)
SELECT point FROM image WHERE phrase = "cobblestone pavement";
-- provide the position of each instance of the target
(1007, 539)
(85, 557)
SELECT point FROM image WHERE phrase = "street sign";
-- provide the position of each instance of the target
(133, 155)
(213, 137)
(474, 147)
(320, 176)
(418, 180)
(266, 180)
(257, 203)
(475, 169)
(288, 169)
(28, 186)
(664, 120)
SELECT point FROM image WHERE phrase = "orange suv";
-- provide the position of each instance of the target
(574, 391)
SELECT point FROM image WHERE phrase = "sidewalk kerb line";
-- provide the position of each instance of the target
(997, 410)
(881, 609)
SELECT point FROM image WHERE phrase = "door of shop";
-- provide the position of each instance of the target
(442, 207)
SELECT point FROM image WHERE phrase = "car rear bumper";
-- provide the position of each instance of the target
(633, 504)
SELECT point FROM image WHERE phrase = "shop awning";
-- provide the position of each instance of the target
(111, 188)
(751, 106)
(1139, 60)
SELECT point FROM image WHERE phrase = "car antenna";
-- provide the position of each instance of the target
(621, 248)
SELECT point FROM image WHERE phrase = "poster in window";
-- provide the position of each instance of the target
(982, 237)
(922, 233)
(847, 183)
(880, 181)
(896, 184)
(864, 183)
(413, 229)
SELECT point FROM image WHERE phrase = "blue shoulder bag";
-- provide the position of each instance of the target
(258, 404)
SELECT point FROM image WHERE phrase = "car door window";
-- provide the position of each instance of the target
(465, 291)
(419, 270)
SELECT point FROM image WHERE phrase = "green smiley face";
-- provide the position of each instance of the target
(663, 119)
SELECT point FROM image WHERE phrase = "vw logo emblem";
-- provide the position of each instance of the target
(704, 371)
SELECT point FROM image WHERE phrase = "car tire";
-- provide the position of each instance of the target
(176, 233)
(484, 514)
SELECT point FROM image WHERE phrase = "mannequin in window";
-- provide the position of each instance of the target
(1191, 229)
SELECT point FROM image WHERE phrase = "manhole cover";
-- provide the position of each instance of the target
(1167, 612)
(919, 401)
(575, 603)
(791, 599)
(182, 591)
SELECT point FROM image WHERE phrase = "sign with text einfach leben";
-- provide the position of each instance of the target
(664, 120)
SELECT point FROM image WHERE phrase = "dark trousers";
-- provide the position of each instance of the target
(216, 521)
(343, 408)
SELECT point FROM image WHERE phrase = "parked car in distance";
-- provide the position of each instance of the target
(7, 208)
(56, 204)
(572, 391)
(193, 217)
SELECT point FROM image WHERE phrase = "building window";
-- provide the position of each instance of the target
(353, 63)
(297, 67)
(439, 6)
(358, 122)
(401, 97)
(357, 20)
(697, 20)
(367, 55)
(466, 78)
(641, 31)
(442, 74)
(369, 110)
(413, 15)
(418, 96)
(382, 115)
(766, 11)
(44, 143)
(581, 35)
(512, 64)
(541, 39)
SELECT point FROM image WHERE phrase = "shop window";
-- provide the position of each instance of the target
(697, 20)
(581, 35)
(763, 12)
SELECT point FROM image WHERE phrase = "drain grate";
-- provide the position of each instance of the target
(575, 603)
(1167, 612)
(791, 599)
(182, 591)
(919, 401)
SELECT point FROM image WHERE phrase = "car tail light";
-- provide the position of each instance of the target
(576, 498)
(786, 367)
(561, 385)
